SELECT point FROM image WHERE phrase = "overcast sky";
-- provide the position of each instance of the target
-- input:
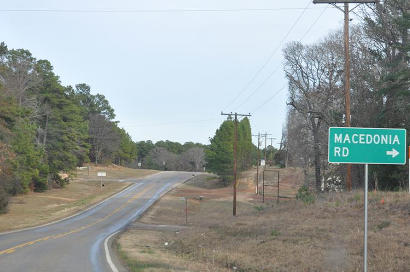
(168, 74)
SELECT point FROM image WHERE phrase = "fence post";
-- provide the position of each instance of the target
(263, 186)
(278, 187)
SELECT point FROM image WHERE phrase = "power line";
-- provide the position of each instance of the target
(257, 88)
(271, 74)
(152, 10)
(270, 56)
(314, 23)
(168, 123)
(268, 100)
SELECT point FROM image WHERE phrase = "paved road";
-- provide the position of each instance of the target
(77, 244)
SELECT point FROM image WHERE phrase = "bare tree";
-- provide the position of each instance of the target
(164, 159)
(19, 76)
(315, 84)
(104, 139)
(193, 159)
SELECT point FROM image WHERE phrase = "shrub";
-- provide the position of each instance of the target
(60, 181)
(305, 195)
(4, 200)
(383, 225)
(274, 233)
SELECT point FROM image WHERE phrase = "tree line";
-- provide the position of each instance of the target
(168, 155)
(47, 129)
(380, 91)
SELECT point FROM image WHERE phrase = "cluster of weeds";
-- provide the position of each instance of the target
(147, 251)
(4, 200)
(133, 265)
(337, 203)
(306, 195)
(274, 233)
(259, 208)
(383, 225)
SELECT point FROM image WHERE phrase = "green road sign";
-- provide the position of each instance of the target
(367, 145)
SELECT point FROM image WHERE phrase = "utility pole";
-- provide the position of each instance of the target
(347, 95)
(235, 147)
(347, 86)
(257, 163)
(346, 12)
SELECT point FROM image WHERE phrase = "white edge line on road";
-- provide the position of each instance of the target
(164, 192)
(107, 253)
(80, 212)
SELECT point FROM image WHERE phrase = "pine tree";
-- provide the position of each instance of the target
(62, 129)
(219, 154)
(388, 27)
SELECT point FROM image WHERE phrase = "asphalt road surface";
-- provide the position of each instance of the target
(77, 244)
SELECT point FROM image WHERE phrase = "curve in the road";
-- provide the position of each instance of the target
(78, 243)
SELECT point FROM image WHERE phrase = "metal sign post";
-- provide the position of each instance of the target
(101, 175)
(185, 199)
(186, 211)
(366, 146)
(366, 184)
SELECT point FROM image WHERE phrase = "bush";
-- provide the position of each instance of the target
(274, 233)
(4, 200)
(305, 195)
(60, 181)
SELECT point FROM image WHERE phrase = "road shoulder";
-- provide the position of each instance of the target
(35, 210)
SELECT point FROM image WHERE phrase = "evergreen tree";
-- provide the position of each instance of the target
(143, 149)
(388, 29)
(244, 144)
(219, 154)
(28, 165)
(62, 129)
(127, 151)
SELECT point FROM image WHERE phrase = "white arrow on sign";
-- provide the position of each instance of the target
(392, 153)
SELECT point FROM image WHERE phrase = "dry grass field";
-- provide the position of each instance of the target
(34, 209)
(286, 236)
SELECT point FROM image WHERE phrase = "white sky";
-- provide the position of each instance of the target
(168, 75)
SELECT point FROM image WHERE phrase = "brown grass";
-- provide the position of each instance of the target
(289, 236)
(34, 209)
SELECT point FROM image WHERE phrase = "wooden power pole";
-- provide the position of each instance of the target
(235, 153)
(346, 12)
(347, 86)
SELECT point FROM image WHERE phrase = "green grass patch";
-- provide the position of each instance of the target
(147, 251)
(259, 208)
(133, 265)
(306, 195)
(274, 233)
(383, 225)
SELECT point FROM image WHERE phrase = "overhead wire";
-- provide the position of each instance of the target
(272, 54)
(194, 11)
(268, 100)
(270, 75)
(169, 123)
(151, 10)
